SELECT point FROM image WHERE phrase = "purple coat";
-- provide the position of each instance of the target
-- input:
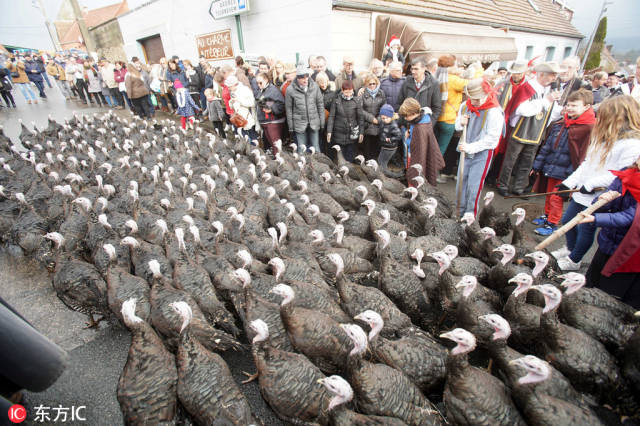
(615, 218)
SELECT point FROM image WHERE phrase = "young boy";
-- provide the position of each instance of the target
(215, 110)
(389, 136)
(483, 116)
(563, 150)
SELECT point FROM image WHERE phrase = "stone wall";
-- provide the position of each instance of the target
(108, 40)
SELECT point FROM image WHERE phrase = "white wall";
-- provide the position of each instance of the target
(540, 42)
(351, 35)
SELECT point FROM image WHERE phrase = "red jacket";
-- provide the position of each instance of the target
(226, 97)
(118, 75)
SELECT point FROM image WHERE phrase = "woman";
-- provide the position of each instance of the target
(81, 84)
(372, 100)
(159, 86)
(215, 104)
(22, 81)
(137, 92)
(346, 121)
(615, 144)
(422, 146)
(270, 111)
(277, 74)
(94, 84)
(451, 89)
(376, 67)
(193, 81)
(243, 103)
(289, 75)
(328, 90)
(119, 75)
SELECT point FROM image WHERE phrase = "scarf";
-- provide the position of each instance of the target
(490, 102)
(442, 75)
(630, 179)
(587, 117)
(181, 97)
(515, 85)
(345, 97)
(373, 92)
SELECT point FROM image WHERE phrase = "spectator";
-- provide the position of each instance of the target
(389, 136)
(57, 72)
(321, 66)
(423, 87)
(175, 72)
(305, 110)
(615, 265)
(119, 75)
(277, 74)
(6, 87)
(201, 69)
(243, 103)
(348, 73)
(94, 85)
(615, 144)
(110, 86)
(186, 106)
(392, 85)
(34, 70)
(22, 81)
(328, 90)
(564, 149)
(270, 110)
(616, 88)
(484, 119)
(81, 83)
(241, 72)
(193, 81)
(290, 76)
(502, 72)
(40, 60)
(598, 89)
(527, 115)
(422, 146)
(346, 121)
(634, 86)
(137, 91)
(215, 106)
(376, 67)
(263, 67)
(371, 101)
(166, 85)
(226, 71)
(393, 52)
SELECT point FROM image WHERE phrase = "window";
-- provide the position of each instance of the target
(567, 52)
(529, 52)
(549, 53)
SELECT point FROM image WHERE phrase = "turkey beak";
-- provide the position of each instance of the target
(320, 381)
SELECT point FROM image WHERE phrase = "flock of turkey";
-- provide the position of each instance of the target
(363, 302)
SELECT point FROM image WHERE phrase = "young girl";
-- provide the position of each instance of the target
(615, 267)
(186, 105)
(215, 107)
(615, 144)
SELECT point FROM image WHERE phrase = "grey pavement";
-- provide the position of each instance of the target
(96, 357)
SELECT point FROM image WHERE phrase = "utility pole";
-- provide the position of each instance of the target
(88, 40)
(52, 34)
(593, 34)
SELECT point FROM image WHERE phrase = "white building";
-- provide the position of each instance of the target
(290, 30)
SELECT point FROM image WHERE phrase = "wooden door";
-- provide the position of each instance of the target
(152, 48)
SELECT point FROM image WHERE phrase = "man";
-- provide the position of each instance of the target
(321, 66)
(56, 71)
(634, 86)
(106, 70)
(392, 85)
(304, 110)
(348, 73)
(423, 87)
(201, 70)
(614, 85)
(527, 116)
(34, 70)
(502, 72)
(569, 72)
(598, 89)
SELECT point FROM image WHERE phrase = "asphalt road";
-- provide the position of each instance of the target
(96, 357)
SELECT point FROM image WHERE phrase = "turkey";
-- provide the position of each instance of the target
(359, 246)
(541, 408)
(205, 385)
(631, 359)
(500, 274)
(148, 382)
(523, 317)
(472, 396)
(414, 352)
(384, 391)
(500, 222)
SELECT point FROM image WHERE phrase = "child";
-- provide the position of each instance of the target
(614, 268)
(5, 88)
(484, 119)
(215, 108)
(389, 135)
(186, 105)
(564, 149)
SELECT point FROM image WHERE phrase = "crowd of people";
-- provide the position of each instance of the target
(530, 127)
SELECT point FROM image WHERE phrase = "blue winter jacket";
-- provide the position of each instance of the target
(615, 218)
(30, 66)
(178, 75)
(391, 88)
(554, 160)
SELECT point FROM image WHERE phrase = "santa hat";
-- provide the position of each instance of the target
(394, 41)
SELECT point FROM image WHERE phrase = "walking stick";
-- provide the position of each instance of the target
(461, 171)
(566, 191)
(573, 222)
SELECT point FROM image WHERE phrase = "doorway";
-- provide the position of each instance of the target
(152, 49)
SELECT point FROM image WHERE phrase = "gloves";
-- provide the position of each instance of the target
(562, 187)
(584, 190)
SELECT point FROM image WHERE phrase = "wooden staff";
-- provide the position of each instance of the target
(461, 171)
(573, 222)
(566, 191)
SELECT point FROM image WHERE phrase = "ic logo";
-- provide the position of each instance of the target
(17, 413)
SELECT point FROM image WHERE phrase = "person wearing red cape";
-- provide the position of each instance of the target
(615, 268)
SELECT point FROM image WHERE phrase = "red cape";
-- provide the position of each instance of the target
(523, 93)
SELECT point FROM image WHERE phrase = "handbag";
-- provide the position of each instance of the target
(238, 120)
(354, 131)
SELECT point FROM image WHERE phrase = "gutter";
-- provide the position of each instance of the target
(354, 5)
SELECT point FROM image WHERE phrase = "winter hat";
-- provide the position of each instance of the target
(387, 110)
(394, 41)
(230, 81)
(177, 84)
(302, 70)
(347, 85)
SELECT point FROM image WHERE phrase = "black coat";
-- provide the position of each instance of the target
(272, 97)
(193, 82)
(341, 114)
(428, 95)
(328, 96)
(371, 108)
(389, 131)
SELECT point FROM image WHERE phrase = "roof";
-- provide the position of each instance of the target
(518, 15)
(69, 31)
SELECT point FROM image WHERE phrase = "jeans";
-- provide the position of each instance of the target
(384, 157)
(40, 86)
(27, 92)
(64, 88)
(117, 96)
(309, 136)
(579, 238)
(443, 133)
(8, 98)
(110, 100)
